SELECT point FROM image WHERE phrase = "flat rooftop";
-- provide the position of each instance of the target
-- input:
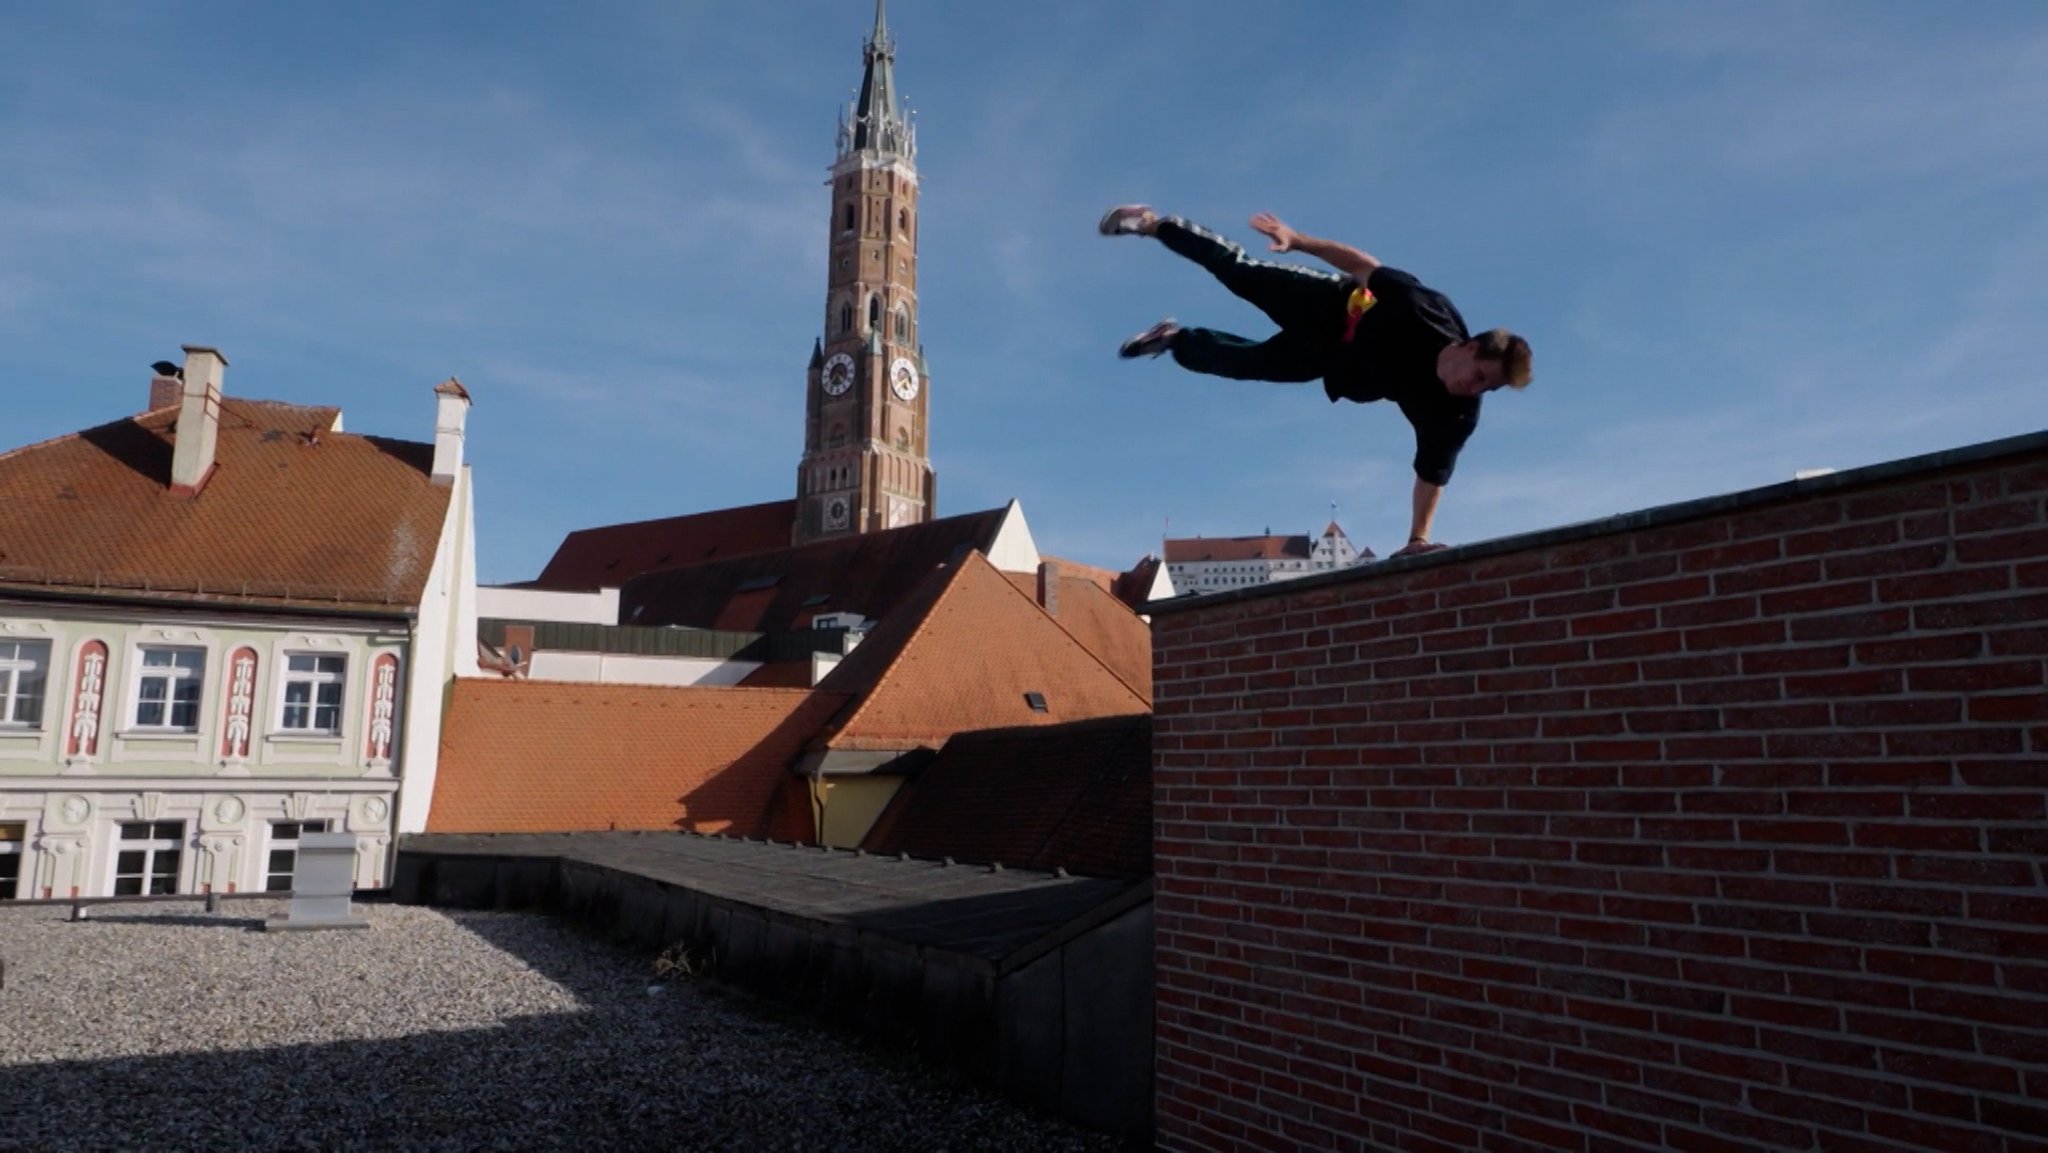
(967, 909)
(161, 1026)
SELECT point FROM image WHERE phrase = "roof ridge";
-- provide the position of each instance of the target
(951, 582)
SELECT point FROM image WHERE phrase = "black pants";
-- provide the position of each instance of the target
(1307, 305)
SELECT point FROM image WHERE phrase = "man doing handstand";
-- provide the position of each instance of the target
(1370, 332)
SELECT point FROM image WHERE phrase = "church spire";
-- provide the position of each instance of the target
(875, 122)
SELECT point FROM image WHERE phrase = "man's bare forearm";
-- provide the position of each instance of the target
(1425, 500)
(1354, 262)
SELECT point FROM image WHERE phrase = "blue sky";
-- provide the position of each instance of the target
(1743, 238)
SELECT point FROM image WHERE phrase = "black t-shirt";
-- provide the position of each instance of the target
(1391, 355)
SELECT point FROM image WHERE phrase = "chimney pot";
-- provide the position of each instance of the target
(1049, 587)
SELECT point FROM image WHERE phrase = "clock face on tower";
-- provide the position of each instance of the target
(835, 512)
(838, 374)
(903, 378)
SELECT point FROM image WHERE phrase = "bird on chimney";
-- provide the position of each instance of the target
(166, 368)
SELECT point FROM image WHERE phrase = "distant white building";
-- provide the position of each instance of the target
(1213, 564)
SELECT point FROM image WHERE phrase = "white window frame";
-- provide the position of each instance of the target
(149, 847)
(13, 664)
(170, 674)
(276, 844)
(288, 677)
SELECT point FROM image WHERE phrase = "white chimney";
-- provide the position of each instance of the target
(198, 430)
(451, 414)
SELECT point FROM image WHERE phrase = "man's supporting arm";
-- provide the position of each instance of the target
(1425, 501)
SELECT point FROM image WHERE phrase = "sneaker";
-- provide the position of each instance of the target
(1127, 220)
(1152, 341)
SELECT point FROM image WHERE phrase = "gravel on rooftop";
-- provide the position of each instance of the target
(163, 1027)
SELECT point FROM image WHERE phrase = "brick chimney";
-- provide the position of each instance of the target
(1049, 587)
(164, 390)
(451, 414)
(198, 429)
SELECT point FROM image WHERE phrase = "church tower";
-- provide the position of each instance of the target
(867, 458)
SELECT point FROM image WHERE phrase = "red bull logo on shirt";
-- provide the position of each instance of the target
(1360, 303)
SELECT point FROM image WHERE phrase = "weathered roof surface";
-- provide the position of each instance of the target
(962, 653)
(550, 756)
(1075, 796)
(1223, 548)
(783, 589)
(610, 555)
(961, 909)
(1102, 622)
(293, 515)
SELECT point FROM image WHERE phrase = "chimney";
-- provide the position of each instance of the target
(164, 386)
(1049, 587)
(451, 414)
(198, 430)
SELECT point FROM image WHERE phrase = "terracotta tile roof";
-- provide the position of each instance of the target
(1196, 549)
(611, 555)
(294, 513)
(961, 653)
(550, 756)
(783, 589)
(1076, 796)
(1104, 625)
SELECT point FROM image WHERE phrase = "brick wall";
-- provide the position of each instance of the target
(1720, 827)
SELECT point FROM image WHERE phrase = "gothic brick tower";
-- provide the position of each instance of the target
(867, 457)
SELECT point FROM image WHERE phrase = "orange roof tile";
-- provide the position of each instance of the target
(550, 756)
(293, 513)
(1076, 796)
(610, 555)
(960, 653)
(1103, 624)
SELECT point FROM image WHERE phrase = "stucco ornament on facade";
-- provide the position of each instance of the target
(383, 709)
(241, 706)
(228, 810)
(74, 809)
(91, 690)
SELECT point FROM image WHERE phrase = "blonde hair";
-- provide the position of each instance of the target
(1511, 352)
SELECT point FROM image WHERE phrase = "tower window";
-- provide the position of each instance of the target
(849, 217)
(903, 220)
(902, 323)
(874, 312)
(846, 316)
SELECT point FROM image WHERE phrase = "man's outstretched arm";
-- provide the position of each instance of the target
(1353, 262)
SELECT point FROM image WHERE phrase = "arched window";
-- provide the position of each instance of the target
(874, 313)
(903, 221)
(846, 316)
(849, 216)
(902, 323)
